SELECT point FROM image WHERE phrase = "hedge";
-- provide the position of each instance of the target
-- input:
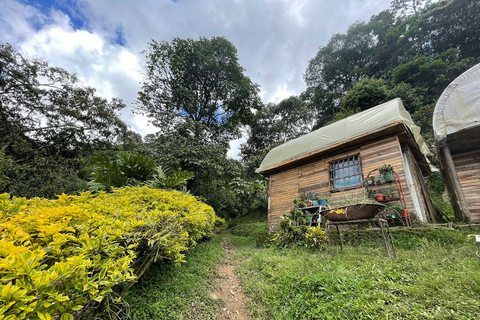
(62, 258)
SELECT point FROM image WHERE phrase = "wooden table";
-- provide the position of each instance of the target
(382, 223)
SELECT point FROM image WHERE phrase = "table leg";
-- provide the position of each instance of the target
(339, 237)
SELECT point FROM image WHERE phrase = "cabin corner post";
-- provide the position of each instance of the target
(460, 197)
(269, 210)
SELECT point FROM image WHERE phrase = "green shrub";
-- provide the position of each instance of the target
(61, 258)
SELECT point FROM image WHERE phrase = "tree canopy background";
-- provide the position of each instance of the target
(54, 130)
(411, 51)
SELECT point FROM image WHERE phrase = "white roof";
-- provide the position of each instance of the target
(459, 105)
(344, 130)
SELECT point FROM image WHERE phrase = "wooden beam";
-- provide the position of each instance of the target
(460, 197)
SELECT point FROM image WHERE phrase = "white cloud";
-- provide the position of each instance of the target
(142, 125)
(235, 148)
(275, 39)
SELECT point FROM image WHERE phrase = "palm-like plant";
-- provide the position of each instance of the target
(165, 178)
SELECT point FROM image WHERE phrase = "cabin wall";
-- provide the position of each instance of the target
(287, 185)
(467, 166)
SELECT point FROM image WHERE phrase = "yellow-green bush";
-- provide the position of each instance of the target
(61, 257)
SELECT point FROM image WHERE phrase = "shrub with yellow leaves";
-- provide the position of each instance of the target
(61, 258)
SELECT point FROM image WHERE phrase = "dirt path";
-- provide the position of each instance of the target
(230, 290)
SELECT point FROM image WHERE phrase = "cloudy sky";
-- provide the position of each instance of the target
(101, 40)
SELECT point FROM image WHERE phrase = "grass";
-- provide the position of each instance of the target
(436, 276)
(179, 292)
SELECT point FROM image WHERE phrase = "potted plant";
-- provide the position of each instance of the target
(388, 195)
(322, 200)
(396, 210)
(379, 197)
(371, 181)
(299, 203)
(395, 195)
(387, 171)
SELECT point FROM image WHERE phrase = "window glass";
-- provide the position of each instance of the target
(345, 173)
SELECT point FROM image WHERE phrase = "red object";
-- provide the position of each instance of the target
(379, 197)
(309, 204)
(398, 183)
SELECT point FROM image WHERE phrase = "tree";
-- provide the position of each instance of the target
(365, 94)
(408, 7)
(219, 181)
(275, 124)
(49, 120)
(50, 108)
(198, 83)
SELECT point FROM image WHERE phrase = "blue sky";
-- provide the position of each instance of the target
(101, 40)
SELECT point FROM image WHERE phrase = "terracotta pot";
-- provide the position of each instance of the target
(379, 197)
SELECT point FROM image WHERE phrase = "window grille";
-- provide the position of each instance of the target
(345, 173)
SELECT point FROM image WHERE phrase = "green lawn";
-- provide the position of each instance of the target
(436, 276)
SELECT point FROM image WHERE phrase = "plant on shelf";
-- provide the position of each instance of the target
(395, 195)
(321, 199)
(387, 171)
(396, 210)
(388, 195)
(371, 194)
(299, 203)
(379, 197)
(371, 180)
(311, 198)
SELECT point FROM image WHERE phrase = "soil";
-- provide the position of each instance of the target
(229, 289)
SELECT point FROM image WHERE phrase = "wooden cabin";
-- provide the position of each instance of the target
(456, 124)
(384, 134)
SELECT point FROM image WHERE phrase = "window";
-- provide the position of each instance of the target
(345, 173)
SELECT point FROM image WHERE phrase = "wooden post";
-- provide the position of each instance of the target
(460, 197)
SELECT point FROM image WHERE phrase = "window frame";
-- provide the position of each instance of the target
(331, 172)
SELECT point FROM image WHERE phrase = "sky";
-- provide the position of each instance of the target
(102, 40)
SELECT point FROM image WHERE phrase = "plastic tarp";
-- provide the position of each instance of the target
(344, 130)
(459, 106)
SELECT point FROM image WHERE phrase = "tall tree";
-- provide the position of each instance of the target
(50, 107)
(408, 7)
(198, 83)
(48, 120)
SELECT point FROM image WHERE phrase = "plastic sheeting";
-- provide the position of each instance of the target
(344, 130)
(459, 106)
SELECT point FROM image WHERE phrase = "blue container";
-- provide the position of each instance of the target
(322, 202)
(315, 203)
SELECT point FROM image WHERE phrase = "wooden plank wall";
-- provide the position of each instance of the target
(288, 185)
(468, 170)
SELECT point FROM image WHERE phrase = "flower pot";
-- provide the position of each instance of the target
(388, 177)
(378, 182)
(315, 203)
(309, 203)
(387, 198)
(322, 202)
(379, 197)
